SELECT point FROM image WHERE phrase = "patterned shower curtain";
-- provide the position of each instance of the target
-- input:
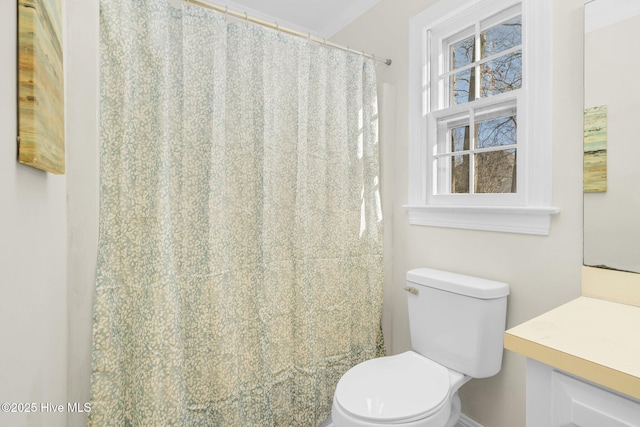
(240, 252)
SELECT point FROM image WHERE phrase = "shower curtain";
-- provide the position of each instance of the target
(240, 251)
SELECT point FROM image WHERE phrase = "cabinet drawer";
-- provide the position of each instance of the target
(580, 404)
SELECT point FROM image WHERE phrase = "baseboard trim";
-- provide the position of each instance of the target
(465, 421)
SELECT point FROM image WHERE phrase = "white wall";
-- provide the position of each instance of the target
(543, 272)
(82, 192)
(48, 237)
(33, 257)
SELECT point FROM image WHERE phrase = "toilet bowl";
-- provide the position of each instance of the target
(406, 390)
(456, 326)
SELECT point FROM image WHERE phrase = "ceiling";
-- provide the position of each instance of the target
(320, 18)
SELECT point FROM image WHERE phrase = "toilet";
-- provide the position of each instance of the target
(456, 325)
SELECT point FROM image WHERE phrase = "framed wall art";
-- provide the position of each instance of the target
(41, 85)
(595, 149)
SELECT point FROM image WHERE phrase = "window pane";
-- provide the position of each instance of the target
(495, 172)
(501, 37)
(460, 138)
(461, 53)
(496, 132)
(462, 87)
(460, 174)
(502, 74)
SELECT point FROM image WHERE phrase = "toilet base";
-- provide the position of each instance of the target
(456, 411)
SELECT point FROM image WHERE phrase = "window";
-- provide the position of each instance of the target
(480, 140)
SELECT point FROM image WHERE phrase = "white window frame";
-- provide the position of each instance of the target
(528, 211)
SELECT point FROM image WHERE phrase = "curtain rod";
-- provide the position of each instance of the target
(277, 27)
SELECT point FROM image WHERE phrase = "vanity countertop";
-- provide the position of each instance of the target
(591, 338)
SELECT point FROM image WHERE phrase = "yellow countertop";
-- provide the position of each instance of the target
(591, 338)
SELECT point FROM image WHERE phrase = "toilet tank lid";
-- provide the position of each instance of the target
(475, 287)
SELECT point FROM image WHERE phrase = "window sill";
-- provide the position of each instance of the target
(522, 220)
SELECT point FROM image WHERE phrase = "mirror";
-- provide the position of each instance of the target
(612, 135)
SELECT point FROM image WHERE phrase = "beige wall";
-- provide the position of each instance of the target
(543, 272)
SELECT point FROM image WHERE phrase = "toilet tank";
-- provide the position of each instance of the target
(457, 320)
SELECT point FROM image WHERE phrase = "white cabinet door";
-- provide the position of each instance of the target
(580, 404)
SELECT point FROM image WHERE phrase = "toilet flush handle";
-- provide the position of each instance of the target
(411, 290)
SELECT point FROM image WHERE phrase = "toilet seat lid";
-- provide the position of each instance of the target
(394, 388)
